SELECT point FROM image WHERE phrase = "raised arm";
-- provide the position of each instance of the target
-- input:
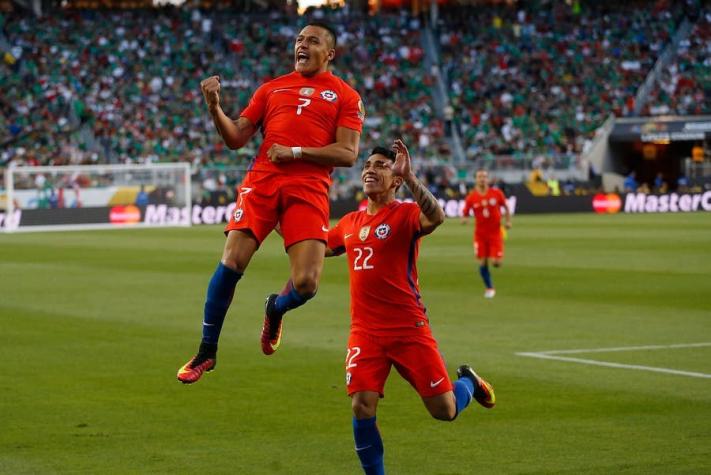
(431, 213)
(235, 133)
(342, 153)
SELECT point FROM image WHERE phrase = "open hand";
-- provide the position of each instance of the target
(403, 164)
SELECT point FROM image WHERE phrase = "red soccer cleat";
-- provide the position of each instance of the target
(483, 391)
(193, 369)
(271, 330)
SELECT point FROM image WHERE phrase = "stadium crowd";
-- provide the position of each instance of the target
(685, 85)
(129, 90)
(538, 82)
(535, 83)
(528, 85)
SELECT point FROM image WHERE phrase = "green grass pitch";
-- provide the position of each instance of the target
(93, 326)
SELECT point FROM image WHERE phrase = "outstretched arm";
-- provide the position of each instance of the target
(431, 213)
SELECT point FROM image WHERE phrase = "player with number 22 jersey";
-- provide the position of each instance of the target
(389, 325)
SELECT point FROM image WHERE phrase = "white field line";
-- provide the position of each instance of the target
(623, 348)
(551, 355)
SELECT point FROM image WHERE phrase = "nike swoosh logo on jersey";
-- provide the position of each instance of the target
(324, 229)
(281, 90)
(347, 236)
(434, 384)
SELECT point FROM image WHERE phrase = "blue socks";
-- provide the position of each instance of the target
(463, 393)
(290, 299)
(219, 296)
(486, 276)
(369, 446)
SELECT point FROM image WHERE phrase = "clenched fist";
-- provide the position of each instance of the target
(279, 153)
(210, 88)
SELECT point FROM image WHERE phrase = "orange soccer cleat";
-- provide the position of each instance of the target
(483, 391)
(271, 330)
(193, 369)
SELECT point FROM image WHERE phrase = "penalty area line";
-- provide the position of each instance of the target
(553, 355)
(624, 348)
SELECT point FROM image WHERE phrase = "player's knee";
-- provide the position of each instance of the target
(306, 283)
(238, 251)
(233, 263)
(444, 413)
(363, 409)
(496, 263)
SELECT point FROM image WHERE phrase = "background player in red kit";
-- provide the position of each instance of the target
(389, 326)
(311, 121)
(486, 202)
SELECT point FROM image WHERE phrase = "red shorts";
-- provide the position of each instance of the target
(416, 358)
(300, 204)
(491, 245)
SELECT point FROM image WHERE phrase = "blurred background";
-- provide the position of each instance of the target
(554, 98)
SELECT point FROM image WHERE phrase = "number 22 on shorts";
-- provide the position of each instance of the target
(351, 355)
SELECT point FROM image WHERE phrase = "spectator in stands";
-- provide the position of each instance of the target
(142, 197)
(660, 185)
(630, 184)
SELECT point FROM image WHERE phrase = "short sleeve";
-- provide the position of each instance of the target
(412, 218)
(352, 112)
(256, 107)
(335, 239)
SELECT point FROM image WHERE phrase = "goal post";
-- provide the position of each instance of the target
(58, 198)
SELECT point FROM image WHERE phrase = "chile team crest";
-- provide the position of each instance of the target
(329, 95)
(382, 231)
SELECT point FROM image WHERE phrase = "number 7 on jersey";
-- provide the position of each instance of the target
(304, 103)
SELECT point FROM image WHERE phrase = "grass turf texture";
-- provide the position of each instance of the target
(95, 325)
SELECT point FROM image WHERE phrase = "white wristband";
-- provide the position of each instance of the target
(296, 151)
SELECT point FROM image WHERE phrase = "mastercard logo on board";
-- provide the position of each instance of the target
(607, 203)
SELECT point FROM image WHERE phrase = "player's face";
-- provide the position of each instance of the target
(312, 51)
(482, 179)
(377, 175)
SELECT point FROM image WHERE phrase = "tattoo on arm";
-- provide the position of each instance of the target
(426, 200)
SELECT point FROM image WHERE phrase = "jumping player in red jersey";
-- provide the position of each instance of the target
(389, 325)
(486, 202)
(311, 122)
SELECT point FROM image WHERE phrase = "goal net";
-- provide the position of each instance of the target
(95, 197)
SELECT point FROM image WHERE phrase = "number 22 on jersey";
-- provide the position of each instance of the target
(362, 258)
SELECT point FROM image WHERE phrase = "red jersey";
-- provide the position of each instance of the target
(299, 111)
(382, 253)
(487, 210)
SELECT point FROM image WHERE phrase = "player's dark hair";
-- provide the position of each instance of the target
(386, 152)
(327, 27)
